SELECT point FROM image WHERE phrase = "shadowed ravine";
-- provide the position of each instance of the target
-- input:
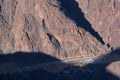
(72, 10)
(95, 70)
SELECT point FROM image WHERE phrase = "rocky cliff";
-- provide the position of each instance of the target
(60, 28)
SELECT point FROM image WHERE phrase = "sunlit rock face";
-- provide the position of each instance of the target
(114, 68)
(60, 28)
(104, 16)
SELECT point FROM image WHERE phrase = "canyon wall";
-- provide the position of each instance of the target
(60, 28)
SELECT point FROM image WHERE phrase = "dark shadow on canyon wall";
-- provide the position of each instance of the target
(20, 60)
(72, 10)
(92, 71)
(98, 67)
(27, 58)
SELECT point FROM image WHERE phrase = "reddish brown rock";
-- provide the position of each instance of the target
(61, 28)
(114, 68)
(104, 16)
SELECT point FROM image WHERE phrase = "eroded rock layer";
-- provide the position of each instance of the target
(60, 28)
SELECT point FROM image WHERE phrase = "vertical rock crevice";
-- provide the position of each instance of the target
(51, 37)
(28, 37)
(32, 32)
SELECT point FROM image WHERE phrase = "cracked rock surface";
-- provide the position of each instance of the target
(60, 28)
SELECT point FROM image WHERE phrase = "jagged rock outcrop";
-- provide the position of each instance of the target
(61, 28)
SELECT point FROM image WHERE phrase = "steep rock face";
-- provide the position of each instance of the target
(61, 28)
(104, 16)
